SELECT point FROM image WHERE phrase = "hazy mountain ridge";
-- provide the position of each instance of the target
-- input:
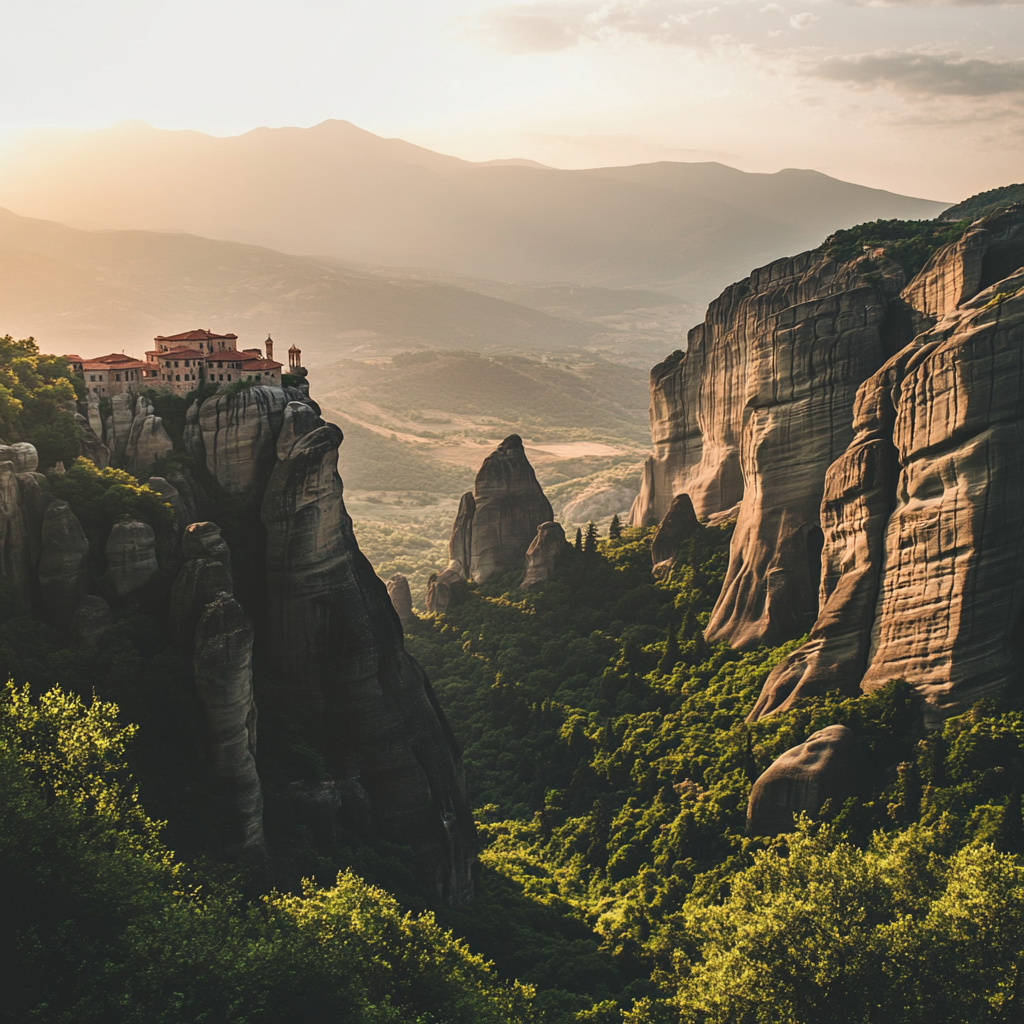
(338, 190)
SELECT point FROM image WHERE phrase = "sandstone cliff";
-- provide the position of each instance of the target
(923, 561)
(498, 521)
(337, 644)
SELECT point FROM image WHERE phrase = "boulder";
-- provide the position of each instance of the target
(923, 576)
(131, 557)
(678, 526)
(828, 765)
(26, 458)
(63, 564)
(446, 589)
(92, 619)
(337, 647)
(544, 554)
(501, 522)
(401, 598)
(222, 661)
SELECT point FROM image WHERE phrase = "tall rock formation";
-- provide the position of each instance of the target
(680, 523)
(15, 537)
(924, 513)
(131, 557)
(337, 645)
(498, 521)
(63, 564)
(147, 441)
(401, 599)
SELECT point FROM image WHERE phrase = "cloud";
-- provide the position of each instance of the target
(924, 74)
(554, 25)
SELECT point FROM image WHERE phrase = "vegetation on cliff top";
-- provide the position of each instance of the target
(910, 243)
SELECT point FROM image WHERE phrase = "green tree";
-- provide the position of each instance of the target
(590, 540)
(615, 528)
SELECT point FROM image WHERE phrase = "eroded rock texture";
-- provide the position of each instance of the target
(753, 414)
(63, 564)
(828, 765)
(401, 599)
(131, 557)
(549, 547)
(15, 540)
(147, 441)
(92, 619)
(498, 522)
(239, 435)
(223, 671)
(924, 513)
(337, 644)
(446, 589)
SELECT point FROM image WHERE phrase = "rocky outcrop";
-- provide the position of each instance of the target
(23, 455)
(828, 766)
(599, 499)
(117, 427)
(753, 414)
(337, 646)
(15, 540)
(131, 557)
(204, 540)
(148, 441)
(236, 436)
(678, 526)
(460, 546)
(446, 589)
(924, 513)
(92, 619)
(401, 599)
(92, 447)
(222, 660)
(63, 564)
(549, 547)
(498, 522)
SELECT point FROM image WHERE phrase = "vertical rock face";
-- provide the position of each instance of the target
(204, 540)
(811, 343)
(543, 555)
(222, 660)
(118, 427)
(15, 542)
(679, 524)
(337, 644)
(131, 557)
(460, 547)
(401, 599)
(63, 564)
(829, 765)
(924, 513)
(239, 436)
(500, 522)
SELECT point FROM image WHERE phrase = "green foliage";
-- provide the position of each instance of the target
(607, 747)
(101, 497)
(100, 923)
(985, 202)
(34, 389)
(615, 529)
(909, 243)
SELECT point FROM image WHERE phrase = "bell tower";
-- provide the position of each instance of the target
(269, 344)
(294, 358)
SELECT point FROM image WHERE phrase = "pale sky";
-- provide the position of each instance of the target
(922, 98)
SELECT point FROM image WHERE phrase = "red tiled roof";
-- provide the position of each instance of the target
(231, 355)
(197, 335)
(102, 364)
(260, 364)
(114, 357)
(74, 359)
(182, 353)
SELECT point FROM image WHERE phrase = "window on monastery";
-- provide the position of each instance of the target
(117, 377)
(220, 366)
(177, 376)
(229, 376)
(222, 376)
(176, 366)
(92, 376)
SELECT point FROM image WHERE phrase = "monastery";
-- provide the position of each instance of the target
(180, 362)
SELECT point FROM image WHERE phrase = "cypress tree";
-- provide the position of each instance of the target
(579, 539)
(590, 541)
(615, 529)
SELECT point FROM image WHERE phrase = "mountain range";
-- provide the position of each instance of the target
(336, 190)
